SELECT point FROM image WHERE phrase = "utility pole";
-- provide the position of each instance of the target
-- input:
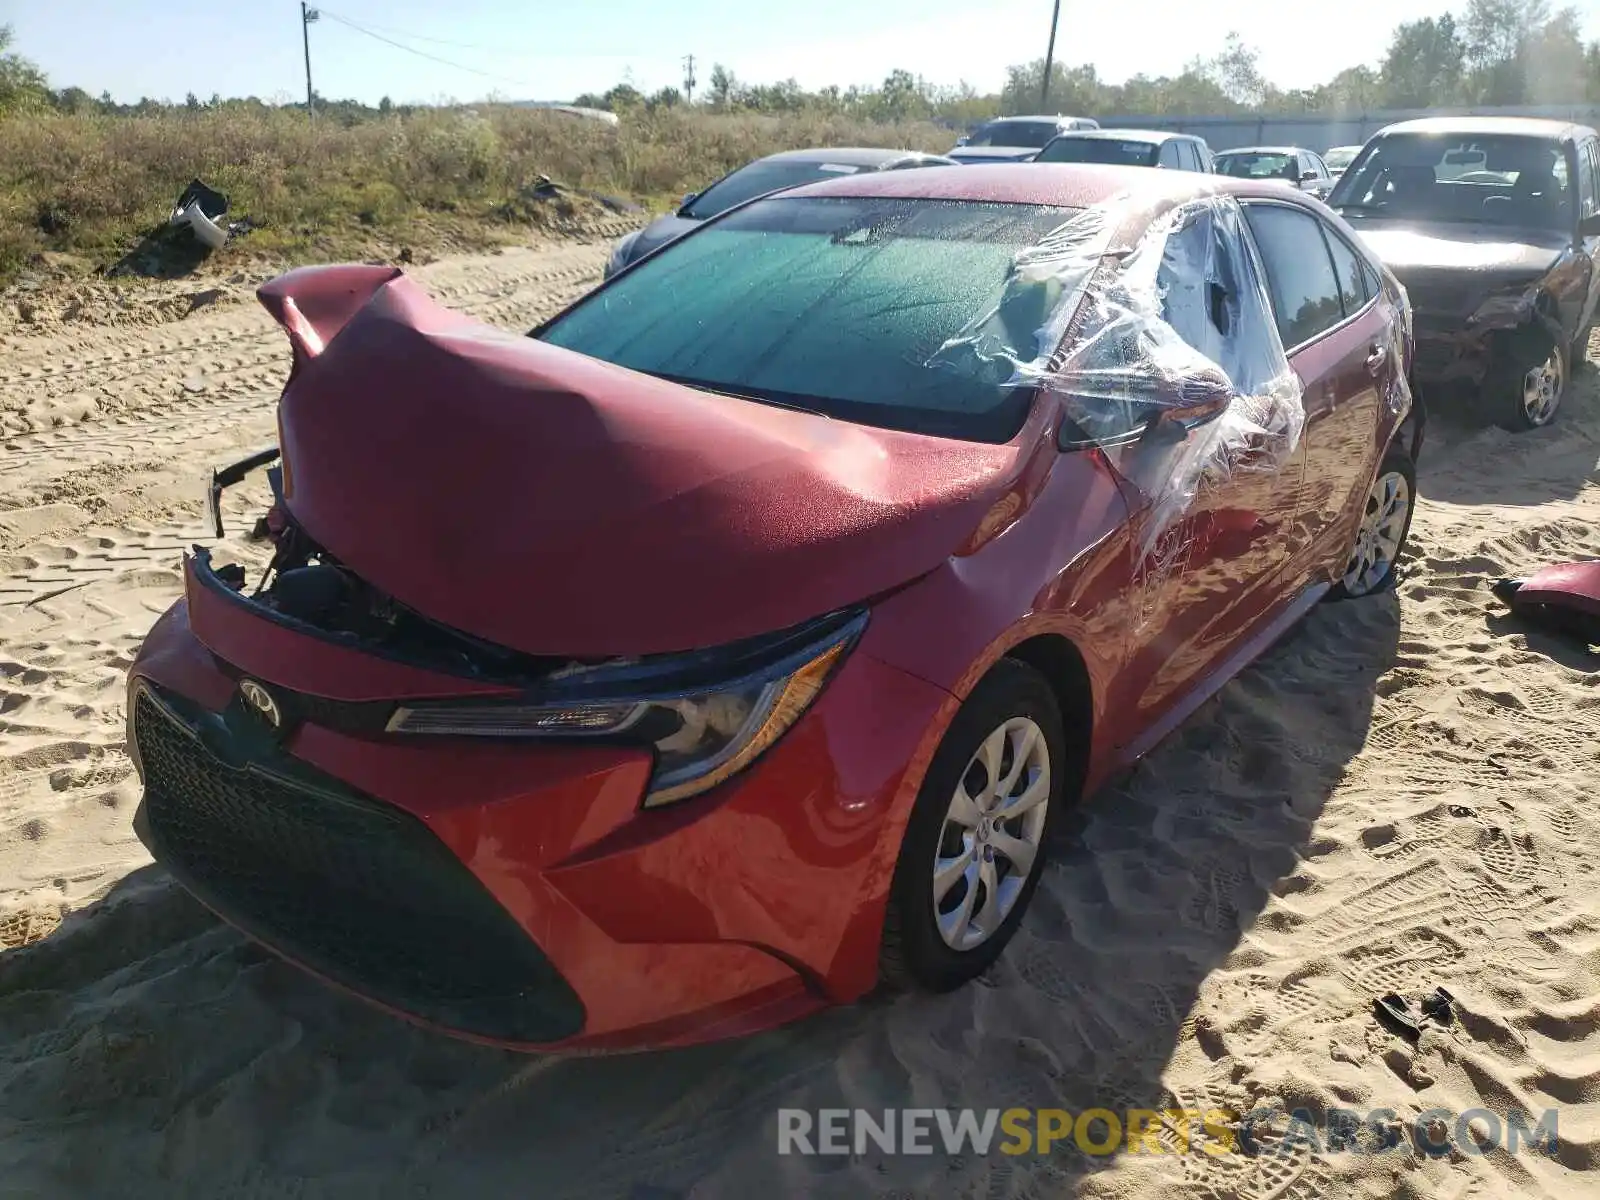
(688, 78)
(308, 15)
(1049, 61)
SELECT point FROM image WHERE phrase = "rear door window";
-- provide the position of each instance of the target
(1305, 289)
(1353, 292)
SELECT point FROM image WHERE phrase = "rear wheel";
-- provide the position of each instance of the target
(1385, 525)
(974, 848)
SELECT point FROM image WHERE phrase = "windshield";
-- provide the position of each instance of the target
(758, 179)
(835, 305)
(1500, 179)
(1031, 134)
(1258, 164)
(1340, 157)
(1099, 150)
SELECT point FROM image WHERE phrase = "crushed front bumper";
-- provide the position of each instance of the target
(359, 892)
(517, 893)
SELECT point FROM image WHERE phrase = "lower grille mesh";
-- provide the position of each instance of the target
(358, 891)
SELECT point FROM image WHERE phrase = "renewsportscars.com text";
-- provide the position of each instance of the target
(1100, 1131)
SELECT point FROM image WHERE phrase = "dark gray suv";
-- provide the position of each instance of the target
(774, 173)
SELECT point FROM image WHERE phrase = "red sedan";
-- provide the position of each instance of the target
(732, 643)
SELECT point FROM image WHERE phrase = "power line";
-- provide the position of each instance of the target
(422, 37)
(345, 21)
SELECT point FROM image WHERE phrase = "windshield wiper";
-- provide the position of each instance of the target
(714, 389)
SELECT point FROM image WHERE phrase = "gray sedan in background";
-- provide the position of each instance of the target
(1295, 165)
(791, 168)
(1015, 139)
(1129, 148)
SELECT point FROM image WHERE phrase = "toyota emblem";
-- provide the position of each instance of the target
(258, 698)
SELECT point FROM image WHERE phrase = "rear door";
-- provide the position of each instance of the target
(1338, 338)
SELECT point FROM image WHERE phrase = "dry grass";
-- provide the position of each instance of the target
(91, 185)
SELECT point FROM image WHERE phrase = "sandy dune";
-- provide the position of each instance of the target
(1400, 795)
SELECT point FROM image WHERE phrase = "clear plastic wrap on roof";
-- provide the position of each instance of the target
(1172, 336)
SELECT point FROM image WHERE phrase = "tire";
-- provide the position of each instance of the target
(1396, 471)
(1509, 387)
(915, 953)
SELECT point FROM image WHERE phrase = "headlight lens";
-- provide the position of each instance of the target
(701, 737)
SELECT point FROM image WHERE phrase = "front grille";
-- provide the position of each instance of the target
(359, 717)
(1434, 357)
(358, 891)
(1440, 299)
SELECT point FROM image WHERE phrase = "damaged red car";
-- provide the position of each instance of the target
(733, 642)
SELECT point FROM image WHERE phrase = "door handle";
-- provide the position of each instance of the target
(1376, 358)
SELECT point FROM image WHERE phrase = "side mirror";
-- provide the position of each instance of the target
(688, 199)
(1589, 226)
(1193, 400)
(1308, 176)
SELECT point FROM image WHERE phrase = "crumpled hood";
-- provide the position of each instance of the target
(1452, 266)
(555, 504)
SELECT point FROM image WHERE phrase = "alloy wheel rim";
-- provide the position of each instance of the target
(1541, 389)
(1383, 524)
(992, 834)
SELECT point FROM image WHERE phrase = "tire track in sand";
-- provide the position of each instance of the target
(94, 516)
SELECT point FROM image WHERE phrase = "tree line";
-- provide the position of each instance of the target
(1493, 53)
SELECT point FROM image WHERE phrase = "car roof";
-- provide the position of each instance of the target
(1153, 136)
(1519, 126)
(849, 156)
(1050, 117)
(1146, 193)
(1265, 150)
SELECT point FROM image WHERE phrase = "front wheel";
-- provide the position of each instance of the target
(1385, 525)
(1528, 383)
(974, 847)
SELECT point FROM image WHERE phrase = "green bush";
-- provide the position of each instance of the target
(92, 183)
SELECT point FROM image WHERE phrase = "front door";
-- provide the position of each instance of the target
(1211, 503)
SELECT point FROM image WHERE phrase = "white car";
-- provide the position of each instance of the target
(1338, 158)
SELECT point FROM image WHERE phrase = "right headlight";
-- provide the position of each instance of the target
(702, 733)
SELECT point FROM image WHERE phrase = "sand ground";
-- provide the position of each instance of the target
(1400, 795)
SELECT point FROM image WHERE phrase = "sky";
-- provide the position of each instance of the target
(557, 49)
